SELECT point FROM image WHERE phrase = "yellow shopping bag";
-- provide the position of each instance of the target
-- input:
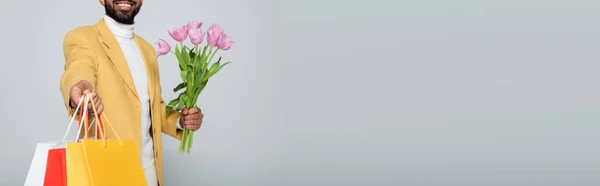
(77, 169)
(102, 161)
(112, 162)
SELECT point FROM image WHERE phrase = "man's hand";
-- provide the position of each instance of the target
(79, 90)
(191, 119)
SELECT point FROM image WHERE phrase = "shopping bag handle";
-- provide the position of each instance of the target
(83, 120)
(79, 104)
(73, 118)
(99, 124)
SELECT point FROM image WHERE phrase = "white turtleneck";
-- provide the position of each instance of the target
(124, 35)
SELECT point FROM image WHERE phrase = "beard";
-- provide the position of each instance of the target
(120, 16)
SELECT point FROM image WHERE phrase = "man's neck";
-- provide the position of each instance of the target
(119, 29)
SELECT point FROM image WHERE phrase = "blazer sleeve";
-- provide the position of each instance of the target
(169, 124)
(80, 64)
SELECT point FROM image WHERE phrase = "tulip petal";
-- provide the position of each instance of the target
(179, 34)
(162, 47)
(213, 34)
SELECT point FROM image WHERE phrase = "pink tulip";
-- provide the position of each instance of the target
(225, 42)
(195, 33)
(162, 47)
(194, 25)
(213, 34)
(179, 34)
(196, 36)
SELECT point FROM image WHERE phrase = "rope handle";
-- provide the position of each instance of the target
(99, 124)
(83, 120)
(73, 119)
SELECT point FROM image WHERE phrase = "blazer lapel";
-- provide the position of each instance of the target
(149, 73)
(115, 54)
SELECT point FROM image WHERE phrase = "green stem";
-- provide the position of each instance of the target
(187, 139)
(191, 139)
(200, 91)
(213, 54)
(197, 54)
(182, 143)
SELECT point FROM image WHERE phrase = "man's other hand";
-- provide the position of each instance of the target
(191, 119)
(82, 88)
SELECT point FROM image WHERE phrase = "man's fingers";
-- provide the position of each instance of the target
(99, 106)
(83, 84)
(97, 102)
(76, 94)
(192, 116)
(79, 90)
(184, 111)
(100, 109)
(194, 110)
(75, 99)
(86, 91)
(191, 122)
(192, 125)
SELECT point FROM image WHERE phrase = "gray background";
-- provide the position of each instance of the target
(332, 92)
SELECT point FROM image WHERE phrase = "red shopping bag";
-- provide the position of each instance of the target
(56, 164)
(56, 168)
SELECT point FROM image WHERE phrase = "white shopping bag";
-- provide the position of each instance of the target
(37, 168)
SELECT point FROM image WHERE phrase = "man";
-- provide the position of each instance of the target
(120, 69)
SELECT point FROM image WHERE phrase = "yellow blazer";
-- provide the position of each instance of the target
(92, 53)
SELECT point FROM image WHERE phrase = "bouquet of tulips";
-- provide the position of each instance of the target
(196, 65)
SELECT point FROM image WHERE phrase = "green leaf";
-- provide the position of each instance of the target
(211, 73)
(177, 51)
(185, 49)
(182, 99)
(204, 54)
(180, 86)
(213, 68)
(192, 53)
(180, 59)
(184, 75)
(171, 105)
(169, 110)
(185, 56)
(197, 92)
(173, 102)
(198, 79)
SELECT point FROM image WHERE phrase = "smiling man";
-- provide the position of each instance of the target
(120, 69)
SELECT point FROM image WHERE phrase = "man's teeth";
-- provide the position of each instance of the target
(124, 5)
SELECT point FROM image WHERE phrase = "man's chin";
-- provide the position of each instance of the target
(124, 15)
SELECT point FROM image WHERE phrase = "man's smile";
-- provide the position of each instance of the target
(124, 5)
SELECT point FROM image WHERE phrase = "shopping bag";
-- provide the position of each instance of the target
(77, 173)
(56, 168)
(70, 167)
(112, 162)
(38, 168)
